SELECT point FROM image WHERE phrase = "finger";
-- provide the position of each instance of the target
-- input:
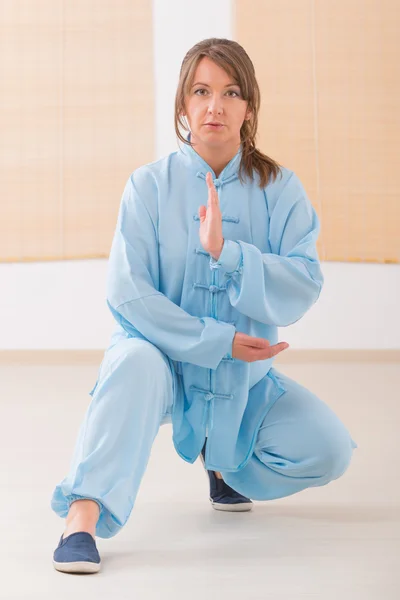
(202, 213)
(210, 189)
(255, 342)
(212, 192)
(283, 345)
(261, 345)
(274, 350)
(215, 199)
(265, 353)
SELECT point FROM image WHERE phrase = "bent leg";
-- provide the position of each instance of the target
(131, 397)
(301, 443)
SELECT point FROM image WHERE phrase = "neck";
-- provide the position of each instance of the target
(217, 157)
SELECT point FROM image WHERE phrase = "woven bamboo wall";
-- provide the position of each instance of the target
(77, 116)
(330, 85)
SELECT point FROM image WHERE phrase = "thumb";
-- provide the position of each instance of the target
(202, 213)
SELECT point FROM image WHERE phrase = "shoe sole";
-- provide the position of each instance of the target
(79, 566)
(239, 507)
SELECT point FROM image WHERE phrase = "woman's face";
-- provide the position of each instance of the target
(215, 97)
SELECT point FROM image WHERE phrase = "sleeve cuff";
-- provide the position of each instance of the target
(230, 258)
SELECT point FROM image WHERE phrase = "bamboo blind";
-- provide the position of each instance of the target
(77, 116)
(329, 79)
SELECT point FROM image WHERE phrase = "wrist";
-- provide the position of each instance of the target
(217, 253)
(230, 259)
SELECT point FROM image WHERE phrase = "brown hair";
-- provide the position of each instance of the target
(232, 57)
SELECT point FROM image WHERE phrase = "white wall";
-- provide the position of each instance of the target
(62, 304)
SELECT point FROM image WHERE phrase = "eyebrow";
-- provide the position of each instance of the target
(206, 84)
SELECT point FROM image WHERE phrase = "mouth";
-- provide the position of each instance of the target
(214, 125)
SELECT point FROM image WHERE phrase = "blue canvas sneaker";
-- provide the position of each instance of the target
(77, 553)
(222, 496)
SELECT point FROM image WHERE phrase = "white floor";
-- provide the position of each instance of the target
(337, 541)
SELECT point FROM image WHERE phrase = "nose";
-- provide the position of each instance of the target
(215, 105)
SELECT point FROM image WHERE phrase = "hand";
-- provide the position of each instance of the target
(210, 233)
(248, 348)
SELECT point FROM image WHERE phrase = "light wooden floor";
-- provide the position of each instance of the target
(337, 541)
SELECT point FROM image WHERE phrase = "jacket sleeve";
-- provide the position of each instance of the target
(133, 279)
(277, 288)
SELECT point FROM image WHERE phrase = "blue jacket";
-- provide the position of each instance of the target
(163, 287)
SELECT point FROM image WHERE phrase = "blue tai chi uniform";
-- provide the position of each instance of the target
(169, 358)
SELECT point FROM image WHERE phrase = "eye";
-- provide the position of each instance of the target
(200, 90)
(233, 92)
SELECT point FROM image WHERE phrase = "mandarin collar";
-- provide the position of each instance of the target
(230, 171)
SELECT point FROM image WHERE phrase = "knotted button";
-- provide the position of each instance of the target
(213, 289)
(217, 182)
(209, 396)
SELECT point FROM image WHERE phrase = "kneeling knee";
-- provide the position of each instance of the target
(335, 461)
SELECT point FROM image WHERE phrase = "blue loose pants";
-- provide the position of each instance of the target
(301, 442)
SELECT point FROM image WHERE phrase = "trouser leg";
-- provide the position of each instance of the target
(301, 443)
(133, 394)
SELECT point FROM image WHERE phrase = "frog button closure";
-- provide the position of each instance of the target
(209, 396)
(213, 289)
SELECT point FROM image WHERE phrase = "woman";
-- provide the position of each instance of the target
(215, 247)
